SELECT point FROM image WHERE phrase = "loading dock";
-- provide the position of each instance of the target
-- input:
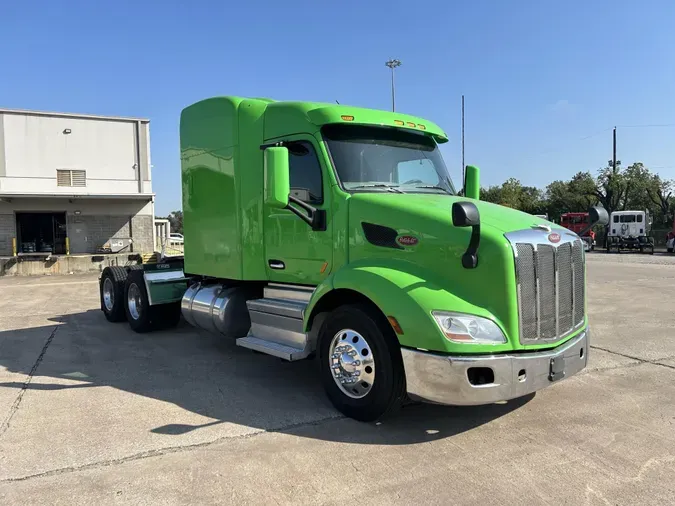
(41, 232)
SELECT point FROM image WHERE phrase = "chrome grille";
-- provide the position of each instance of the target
(550, 283)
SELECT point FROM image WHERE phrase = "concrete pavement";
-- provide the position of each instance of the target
(91, 413)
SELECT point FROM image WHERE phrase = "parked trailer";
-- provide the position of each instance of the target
(334, 231)
(629, 230)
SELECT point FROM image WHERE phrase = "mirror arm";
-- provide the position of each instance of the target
(470, 257)
(316, 218)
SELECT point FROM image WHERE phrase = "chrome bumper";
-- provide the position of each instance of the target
(444, 379)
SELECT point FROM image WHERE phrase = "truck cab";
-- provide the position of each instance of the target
(629, 230)
(336, 232)
(576, 222)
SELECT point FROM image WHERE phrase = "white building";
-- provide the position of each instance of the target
(74, 180)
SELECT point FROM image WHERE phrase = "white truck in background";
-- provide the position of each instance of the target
(629, 230)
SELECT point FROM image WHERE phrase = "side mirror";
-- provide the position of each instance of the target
(465, 214)
(277, 177)
(472, 182)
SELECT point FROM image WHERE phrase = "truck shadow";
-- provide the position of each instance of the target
(209, 376)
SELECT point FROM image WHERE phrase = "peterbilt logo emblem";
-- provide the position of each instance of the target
(407, 240)
(554, 237)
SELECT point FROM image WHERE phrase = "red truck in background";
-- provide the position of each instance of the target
(576, 222)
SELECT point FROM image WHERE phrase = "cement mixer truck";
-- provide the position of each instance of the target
(334, 232)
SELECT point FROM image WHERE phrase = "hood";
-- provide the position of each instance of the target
(433, 247)
(438, 207)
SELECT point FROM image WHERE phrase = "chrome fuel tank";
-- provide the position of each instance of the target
(218, 308)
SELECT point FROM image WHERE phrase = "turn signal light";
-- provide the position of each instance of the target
(395, 325)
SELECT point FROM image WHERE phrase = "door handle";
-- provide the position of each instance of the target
(276, 264)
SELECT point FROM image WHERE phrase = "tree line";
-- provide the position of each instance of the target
(616, 189)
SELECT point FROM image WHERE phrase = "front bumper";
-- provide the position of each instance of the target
(443, 379)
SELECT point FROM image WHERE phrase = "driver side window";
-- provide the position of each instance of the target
(305, 172)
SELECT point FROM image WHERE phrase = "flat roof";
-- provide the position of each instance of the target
(26, 112)
(75, 196)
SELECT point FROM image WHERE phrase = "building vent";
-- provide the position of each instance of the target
(71, 178)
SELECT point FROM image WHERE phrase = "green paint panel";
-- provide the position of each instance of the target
(211, 207)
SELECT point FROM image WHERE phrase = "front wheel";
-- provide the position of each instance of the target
(360, 362)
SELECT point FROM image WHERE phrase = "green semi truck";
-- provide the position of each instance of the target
(335, 232)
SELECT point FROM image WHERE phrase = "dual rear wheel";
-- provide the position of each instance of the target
(125, 297)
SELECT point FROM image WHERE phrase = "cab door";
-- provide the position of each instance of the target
(294, 252)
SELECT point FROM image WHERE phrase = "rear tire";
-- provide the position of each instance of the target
(111, 293)
(363, 331)
(136, 304)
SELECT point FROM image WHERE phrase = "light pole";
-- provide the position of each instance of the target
(392, 64)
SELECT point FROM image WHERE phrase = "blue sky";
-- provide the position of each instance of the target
(544, 81)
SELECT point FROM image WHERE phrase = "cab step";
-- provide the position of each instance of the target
(271, 348)
(277, 322)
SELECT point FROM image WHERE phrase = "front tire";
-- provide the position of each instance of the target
(357, 339)
(136, 303)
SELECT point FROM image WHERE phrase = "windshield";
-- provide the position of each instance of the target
(386, 159)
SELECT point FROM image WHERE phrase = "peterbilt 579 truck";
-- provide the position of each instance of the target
(335, 232)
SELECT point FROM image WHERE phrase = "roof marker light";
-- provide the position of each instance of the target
(347, 118)
(399, 122)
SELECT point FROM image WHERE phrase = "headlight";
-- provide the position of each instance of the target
(465, 328)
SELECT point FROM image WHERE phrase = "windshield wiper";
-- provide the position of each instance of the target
(434, 187)
(379, 185)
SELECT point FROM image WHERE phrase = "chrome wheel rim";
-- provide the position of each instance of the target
(134, 301)
(352, 363)
(108, 294)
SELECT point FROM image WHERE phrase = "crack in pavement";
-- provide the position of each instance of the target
(641, 360)
(17, 402)
(169, 450)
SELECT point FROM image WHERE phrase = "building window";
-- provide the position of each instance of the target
(71, 177)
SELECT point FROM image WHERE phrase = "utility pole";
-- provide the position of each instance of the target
(614, 151)
(392, 64)
(463, 166)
